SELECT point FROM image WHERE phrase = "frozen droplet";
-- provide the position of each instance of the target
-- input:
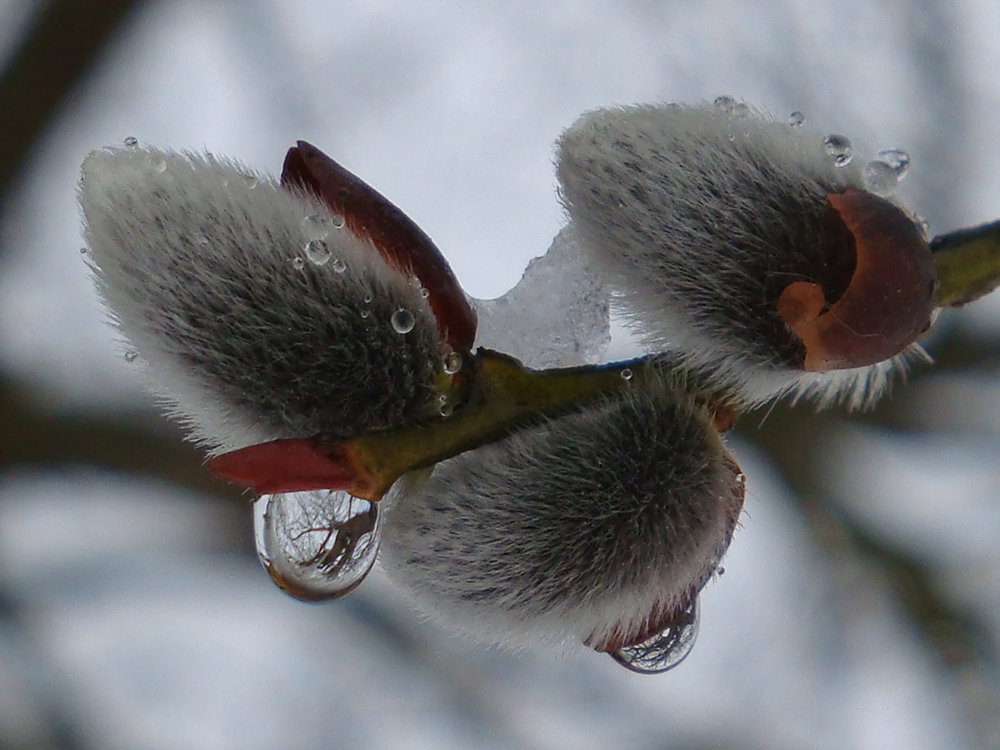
(316, 545)
(315, 227)
(664, 650)
(339, 265)
(425, 292)
(725, 103)
(298, 264)
(251, 181)
(318, 252)
(880, 178)
(338, 221)
(403, 321)
(896, 159)
(740, 110)
(626, 374)
(131, 142)
(796, 119)
(131, 356)
(159, 164)
(452, 362)
(839, 148)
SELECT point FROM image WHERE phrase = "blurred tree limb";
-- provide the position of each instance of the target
(63, 40)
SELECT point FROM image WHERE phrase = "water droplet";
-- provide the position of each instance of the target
(403, 321)
(924, 226)
(425, 292)
(316, 545)
(368, 299)
(452, 362)
(339, 265)
(446, 410)
(298, 264)
(720, 571)
(160, 164)
(338, 221)
(251, 181)
(626, 374)
(796, 119)
(131, 356)
(365, 313)
(741, 110)
(131, 142)
(725, 103)
(880, 178)
(83, 251)
(839, 148)
(896, 159)
(315, 227)
(318, 252)
(741, 478)
(664, 650)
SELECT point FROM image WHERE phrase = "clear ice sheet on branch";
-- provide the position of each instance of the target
(556, 316)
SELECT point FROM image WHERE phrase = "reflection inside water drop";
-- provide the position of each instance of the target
(403, 321)
(317, 545)
(664, 650)
(839, 148)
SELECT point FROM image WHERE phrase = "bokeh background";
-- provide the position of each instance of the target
(860, 607)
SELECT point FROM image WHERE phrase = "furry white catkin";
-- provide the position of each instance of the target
(249, 332)
(704, 216)
(598, 527)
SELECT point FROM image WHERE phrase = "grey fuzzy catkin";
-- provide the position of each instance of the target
(702, 216)
(573, 530)
(196, 258)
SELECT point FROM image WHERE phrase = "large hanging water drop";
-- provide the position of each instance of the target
(664, 650)
(896, 159)
(839, 148)
(403, 321)
(316, 545)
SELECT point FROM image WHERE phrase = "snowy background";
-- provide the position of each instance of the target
(132, 612)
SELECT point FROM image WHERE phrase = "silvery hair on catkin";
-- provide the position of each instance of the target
(581, 528)
(703, 215)
(245, 334)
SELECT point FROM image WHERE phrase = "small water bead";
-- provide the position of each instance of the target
(315, 228)
(839, 148)
(741, 110)
(880, 178)
(446, 410)
(339, 265)
(626, 374)
(316, 545)
(318, 252)
(896, 159)
(425, 292)
(725, 103)
(796, 119)
(83, 251)
(160, 164)
(298, 264)
(452, 362)
(338, 221)
(365, 313)
(131, 142)
(250, 181)
(403, 321)
(131, 356)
